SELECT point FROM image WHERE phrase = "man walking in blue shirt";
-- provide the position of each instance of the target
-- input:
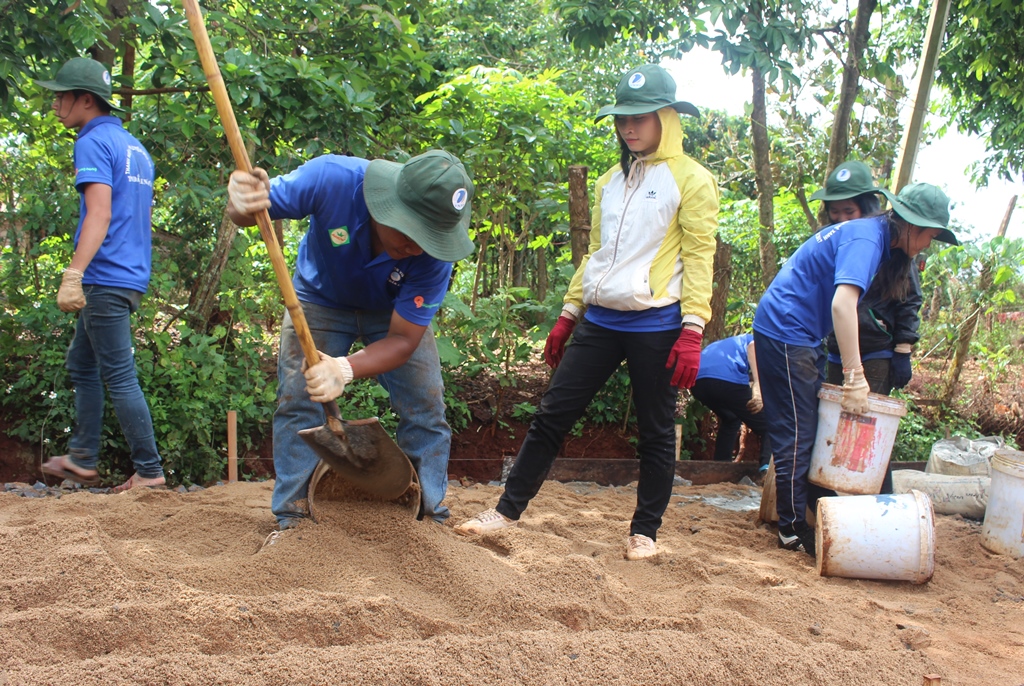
(107, 277)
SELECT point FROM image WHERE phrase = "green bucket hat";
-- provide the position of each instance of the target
(846, 181)
(82, 73)
(924, 205)
(646, 89)
(427, 199)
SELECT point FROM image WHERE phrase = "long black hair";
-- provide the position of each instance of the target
(626, 156)
(892, 281)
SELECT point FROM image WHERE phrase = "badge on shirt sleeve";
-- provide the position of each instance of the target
(339, 236)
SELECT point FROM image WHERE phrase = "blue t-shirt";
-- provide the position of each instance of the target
(797, 307)
(106, 153)
(727, 360)
(665, 318)
(335, 266)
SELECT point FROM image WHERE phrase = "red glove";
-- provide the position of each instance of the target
(685, 357)
(555, 346)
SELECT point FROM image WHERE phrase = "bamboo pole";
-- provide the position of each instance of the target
(925, 76)
(241, 155)
(232, 446)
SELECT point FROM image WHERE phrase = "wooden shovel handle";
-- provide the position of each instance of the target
(234, 136)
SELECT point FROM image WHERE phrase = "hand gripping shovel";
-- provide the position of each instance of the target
(360, 451)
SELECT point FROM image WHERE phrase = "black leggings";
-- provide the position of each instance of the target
(590, 359)
(728, 401)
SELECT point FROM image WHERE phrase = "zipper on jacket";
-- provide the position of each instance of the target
(615, 251)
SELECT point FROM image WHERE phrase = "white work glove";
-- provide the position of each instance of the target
(249, 192)
(326, 380)
(755, 404)
(855, 391)
(70, 297)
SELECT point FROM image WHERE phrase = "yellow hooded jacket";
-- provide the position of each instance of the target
(652, 236)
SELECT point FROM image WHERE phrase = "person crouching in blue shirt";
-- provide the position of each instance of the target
(107, 277)
(817, 290)
(373, 266)
(728, 385)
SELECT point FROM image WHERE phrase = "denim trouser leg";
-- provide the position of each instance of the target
(790, 378)
(101, 354)
(416, 395)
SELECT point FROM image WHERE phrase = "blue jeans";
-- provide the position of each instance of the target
(595, 353)
(415, 390)
(790, 377)
(102, 353)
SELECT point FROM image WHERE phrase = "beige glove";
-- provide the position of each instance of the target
(70, 297)
(249, 192)
(755, 404)
(855, 391)
(326, 380)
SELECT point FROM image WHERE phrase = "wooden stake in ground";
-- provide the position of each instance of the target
(232, 446)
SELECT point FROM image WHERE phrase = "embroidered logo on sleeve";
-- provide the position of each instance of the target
(420, 302)
(340, 236)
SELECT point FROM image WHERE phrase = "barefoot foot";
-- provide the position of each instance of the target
(62, 466)
(136, 480)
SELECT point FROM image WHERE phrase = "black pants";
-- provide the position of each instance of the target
(593, 355)
(876, 373)
(728, 401)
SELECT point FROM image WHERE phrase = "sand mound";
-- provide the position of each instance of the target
(158, 587)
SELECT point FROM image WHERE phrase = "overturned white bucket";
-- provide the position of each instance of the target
(851, 452)
(886, 537)
(1003, 530)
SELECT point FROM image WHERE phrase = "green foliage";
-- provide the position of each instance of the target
(982, 68)
(498, 83)
(738, 226)
(919, 431)
(190, 380)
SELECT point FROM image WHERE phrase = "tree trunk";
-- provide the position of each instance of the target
(203, 298)
(579, 213)
(715, 329)
(840, 144)
(801, 196)
(542, 273)
(763, 178)
(963, 343)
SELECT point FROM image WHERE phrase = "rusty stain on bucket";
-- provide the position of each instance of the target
(855, 442)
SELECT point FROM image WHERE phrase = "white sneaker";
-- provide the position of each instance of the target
(485, 522)
(639, 546)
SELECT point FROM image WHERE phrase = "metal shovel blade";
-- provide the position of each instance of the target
(327, 486)
(364, 454)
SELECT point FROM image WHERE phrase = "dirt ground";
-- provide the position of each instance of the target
(160, 587)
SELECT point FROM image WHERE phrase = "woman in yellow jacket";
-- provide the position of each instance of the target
(641, 294)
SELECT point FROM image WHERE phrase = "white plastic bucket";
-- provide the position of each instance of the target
(888, 537)
(1003, 530)
(851, 452)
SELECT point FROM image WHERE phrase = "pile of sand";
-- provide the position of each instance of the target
(158, 587)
